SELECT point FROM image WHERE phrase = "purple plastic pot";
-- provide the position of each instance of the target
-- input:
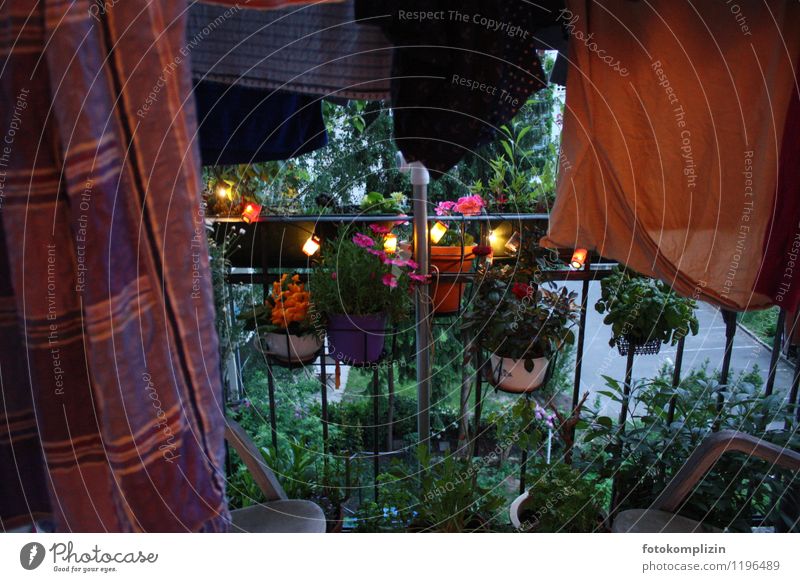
(356, 339)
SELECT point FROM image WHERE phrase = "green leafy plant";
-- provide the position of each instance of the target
(377, 203)
(560, 500)
(520, 320)
(355, 276)
(443, 496)
(652, 449)
(640, 309)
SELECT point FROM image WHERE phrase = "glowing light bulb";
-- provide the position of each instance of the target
(578, 259)
(312, 245)
(512, 244)
(492, 238)
(437, 231)
(390, 243)
(223, 190)
(251, 212)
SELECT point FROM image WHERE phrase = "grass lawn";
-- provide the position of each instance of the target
(762, 323)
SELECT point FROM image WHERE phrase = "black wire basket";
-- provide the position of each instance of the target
(648, 348)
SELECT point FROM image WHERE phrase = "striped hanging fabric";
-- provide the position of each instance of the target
(111, 416)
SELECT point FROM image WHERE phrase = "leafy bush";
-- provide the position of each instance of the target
(560, 499)
(641, 309)
(651, 451)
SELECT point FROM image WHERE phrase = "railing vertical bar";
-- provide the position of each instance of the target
(576, 388)
(676, 379)
(273, 423)
(323, 382)
(729, 317)
(623, 418)
(479, 364)
(776, 352)
(376, 466)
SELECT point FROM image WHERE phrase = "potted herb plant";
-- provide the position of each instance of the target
(360, 288)
(644, 313)
(285, 329)
(451, 251)
(523, 325)
(560, 500)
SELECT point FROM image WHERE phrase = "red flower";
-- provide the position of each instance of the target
(481, 250)
(521, 290)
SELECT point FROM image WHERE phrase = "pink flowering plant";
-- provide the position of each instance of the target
(356, 276)
(466, 206)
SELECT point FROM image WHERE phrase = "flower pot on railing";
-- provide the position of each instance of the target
(446, 295)
(517, 513)
(624, 346)
(518, 376)
(289, 348)
(356, 339)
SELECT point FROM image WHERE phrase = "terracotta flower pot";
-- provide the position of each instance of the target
(447, 296)
(510, 375)
(294, 349)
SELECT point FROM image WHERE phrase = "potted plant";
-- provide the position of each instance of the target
(360, 289)
(523, 325)
(644, 313)
(560, 500)
(451, 252)
(285, 329)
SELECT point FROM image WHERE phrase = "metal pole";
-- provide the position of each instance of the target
(676, 379)
(576, 389)
(376, 448)
(776, 352)
(273, 423)
(419, 181)
(323, 380)
(729, 317)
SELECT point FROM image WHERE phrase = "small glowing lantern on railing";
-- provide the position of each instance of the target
(312, 245)
(251, 212)
(512, 244)
(437, 231)
(223, 190)
(390, 243)
(578, 259)
(492, 238)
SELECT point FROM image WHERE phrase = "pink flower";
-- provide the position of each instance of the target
(363, 240)
(334, 275)
(378, 253)
(412, 264)
(418, 278)
(444, 208)
(469, 205)
(389, 280)
(379, 229)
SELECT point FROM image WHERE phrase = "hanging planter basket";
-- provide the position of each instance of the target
(651, 347)
(288, 348)
(355, 340)
(447, 296)
(510, 375)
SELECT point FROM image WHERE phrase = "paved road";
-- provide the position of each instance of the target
(708, 344)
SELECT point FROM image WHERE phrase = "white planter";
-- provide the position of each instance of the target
(511, 375)
(298, 348)
(515, 510)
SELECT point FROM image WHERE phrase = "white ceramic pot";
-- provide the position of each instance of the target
(511, 375)
(516, 509)
(298, 348)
